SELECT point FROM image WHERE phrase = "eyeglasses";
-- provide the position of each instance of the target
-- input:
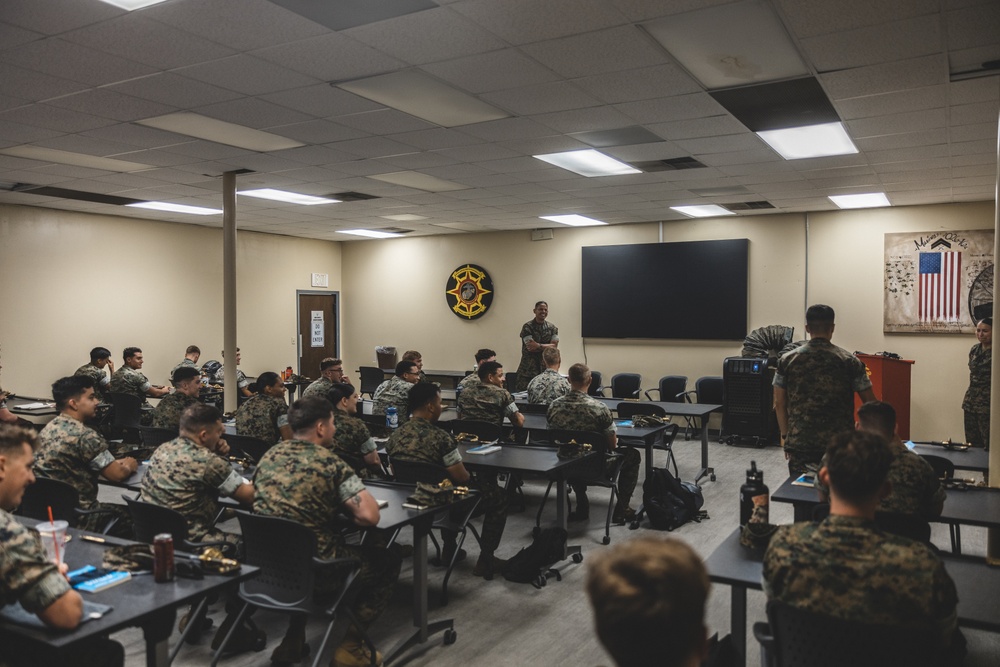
(412, 373)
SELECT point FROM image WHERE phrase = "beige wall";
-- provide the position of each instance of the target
(73, 281)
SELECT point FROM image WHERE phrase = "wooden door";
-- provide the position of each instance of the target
(318, 328)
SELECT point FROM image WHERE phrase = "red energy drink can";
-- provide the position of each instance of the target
(163, 558)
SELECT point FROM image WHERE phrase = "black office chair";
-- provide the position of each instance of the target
(944, 470)
(626, 385)
(595, 388)
(376, 425)
(629, 409)
(670, 389)
(64, 501)
(484, 431)
(510, 381)
(153, 437)
(710, 390)
(127, 412)
(285, 552)
(798, 638)
(253, 448)
(456, 521)
(371, 378)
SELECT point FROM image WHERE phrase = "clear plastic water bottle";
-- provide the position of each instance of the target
(391, 417)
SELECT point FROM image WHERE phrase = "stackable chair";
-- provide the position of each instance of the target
(153, 437)
(251, 447)
(670, 389)
(595, 388)
(371, 378)
(62, 498)
(708, 389)
(126, 412)
(627, 410)
(626, 385)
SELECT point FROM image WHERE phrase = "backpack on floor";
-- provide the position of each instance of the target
(547, 548)
(670, 503)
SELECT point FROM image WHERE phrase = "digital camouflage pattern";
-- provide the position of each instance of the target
(846, 568)
(25, 575)
(977, 396)
(307, 483)
(101, 380)
(393, 392)
(420, 440)
(320, 387)
(977, 428)
(261, 417)
(486, 402)
(352, 441)
(820, 380)
(469, 380)
(241, 378)
(915, 487)
(186, 362)
(127, 380)
(547, 387)
(168, 411)
(531, 362)
(189, 479)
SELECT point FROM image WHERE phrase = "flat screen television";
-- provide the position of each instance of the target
(690, 290)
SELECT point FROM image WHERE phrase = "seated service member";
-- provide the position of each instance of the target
(242, 383)
(27, 576)
(394, 391)
(488, 401)
(845, 567)
(303, 480)
(579, 412)
(331, 374)
(353, 441)
(191, 356)
(550, 384)
(649, 596)
(76, 454)
(187, 388)
(129, 379)
(482, 355)
(100, 358)
(265, 414)
(418, 359)
(420, 440)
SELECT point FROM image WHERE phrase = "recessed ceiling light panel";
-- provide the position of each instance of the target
(419, 181)
(176, 208)
(573, 220)
(404, 217)
(866, 200)
(219, 131)
(370, 233)
(588, 163)
(131, 5)
(702, 211)
(76, 159)
(289, 197)
(796, 143)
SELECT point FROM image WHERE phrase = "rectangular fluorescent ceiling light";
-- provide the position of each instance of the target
(702, 211)
(795, 143)
(370, 233)
(176, 208)
(414, 179)
(219, 131)
(75, 159)
(419, 94)
(867, 200)
(573, 220)
(588, 162)
(290, 197)
(132, 4)
(404, 217)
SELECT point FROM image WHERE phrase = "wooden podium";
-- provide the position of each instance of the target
(891, 384)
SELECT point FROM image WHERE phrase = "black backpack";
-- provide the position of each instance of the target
(528, 563)
(669, 502)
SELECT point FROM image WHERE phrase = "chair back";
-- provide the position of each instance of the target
(283, 550)
(45, 493)
(150, 520)
(411, 472)
(376, 425)
(595, 388)
(597, 441)
(629, 409)
(127, 410)
(510, 381)
(485, 431)
(371, 378)
(533, 408)
(807, 639)
(626, 385)
(672, 388)
(154, 437)
(943, 468)
(904, 525)
(710, 389)
(253, 447)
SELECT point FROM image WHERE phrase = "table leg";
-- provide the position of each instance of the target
(738, 621)
(157, 630)
(706, 470)
(561, 520)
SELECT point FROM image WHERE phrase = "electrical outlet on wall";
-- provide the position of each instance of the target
(292, 341)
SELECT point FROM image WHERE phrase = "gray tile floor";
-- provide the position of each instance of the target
(501, 623)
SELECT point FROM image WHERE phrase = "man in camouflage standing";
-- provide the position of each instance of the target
(814, 392)
(487, 400)
(100, 358)
(550, 385)
(303, 480)
(576, 411)
(187, 388)
(536, 335)
(394, 391)
(265, 414)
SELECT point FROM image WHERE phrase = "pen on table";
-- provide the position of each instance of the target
(93, 538)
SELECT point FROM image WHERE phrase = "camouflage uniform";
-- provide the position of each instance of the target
(393, 392)
(127, 380)
(486, 403)
(71, 452)
(352, 441)
(578, 412)
(262, 417)
(320, 387)
(168, 412)
(469, 380)
(186, 362)
(915, 487)
(846, 568)
(531, 362)
(241, 379)
(420, 440)
(100, 378)
(307, 483)
(820, 380)
(547, 387)
(189, 479)
(977, 397)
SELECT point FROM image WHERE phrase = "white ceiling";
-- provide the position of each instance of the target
(76, 74)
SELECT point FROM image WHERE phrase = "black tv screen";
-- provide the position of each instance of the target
(692, 290)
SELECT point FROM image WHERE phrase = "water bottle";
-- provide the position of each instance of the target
(754, 494)
(391, 417)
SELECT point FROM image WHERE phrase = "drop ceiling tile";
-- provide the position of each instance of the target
(905, 154)
(751, 156)
(980, 112)
(898, 123)
(8, 102)
(317, 132)
(907, 38)
(427, 36)
(913, 99)
(541, 98)
(137, 135)
(660, 150)
(246, 74)
(971, 132)
(360, 168)
(698, 127)
(639, 84)
(77, 143)
(476, 152)
(611, 50)
(384, 121)
(12, 36)
(542, 145)
(421, 161)
(59, 58)
(69, 172)
(985, 146)
(435, 138)
(487, 72)
(507, 128)
(665, 109)
(34, 86)
(525, 21)
(886, 77)
(372, 147)
(107, 103)
(912, 165)
(253, 112)
(54, 118)
(206, 150)
(904, 140)
(973, 26)
(322, 101)
(313, 155)
(820, 18)
(56, 16)
(330, 57)
(584, 120)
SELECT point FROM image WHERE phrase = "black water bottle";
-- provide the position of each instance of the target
(754, 494)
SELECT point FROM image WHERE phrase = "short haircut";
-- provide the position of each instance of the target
(578, 373)
(988, 321)
(488, 368)
(551, 356)
(13, 437)
(404, 367)
(412, 355)
(819, 316)
(877, 417)
(267, 379)
(858, 463)
(99, 353)
(308, 410)
(485, 353)
(184, 373)
(66, 388)
(130, 352)
(541, 303)
(224, 352)
(330, 362)
(339, 392)
(198, 416)
(192, 349)
(420, 395)
(648, 596)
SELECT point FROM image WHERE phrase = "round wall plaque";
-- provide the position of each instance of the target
(469, 291)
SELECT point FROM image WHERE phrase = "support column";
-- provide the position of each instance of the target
(229, 288)
(993, 534)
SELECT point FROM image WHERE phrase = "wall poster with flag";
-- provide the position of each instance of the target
(929, 277)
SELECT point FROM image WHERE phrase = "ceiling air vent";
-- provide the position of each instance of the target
(749, 206)
(673, 164)
(351, 196)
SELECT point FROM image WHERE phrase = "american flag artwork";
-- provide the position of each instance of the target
(940, 286)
